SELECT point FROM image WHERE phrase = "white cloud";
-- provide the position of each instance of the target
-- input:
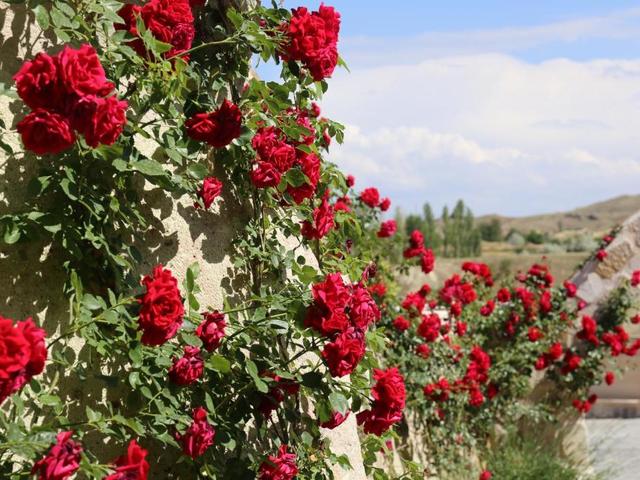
(507, 135)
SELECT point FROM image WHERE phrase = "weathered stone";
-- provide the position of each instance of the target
(616, 259)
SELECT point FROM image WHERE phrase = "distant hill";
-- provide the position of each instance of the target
(597, 218)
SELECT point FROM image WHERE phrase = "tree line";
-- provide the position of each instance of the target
(454, 234)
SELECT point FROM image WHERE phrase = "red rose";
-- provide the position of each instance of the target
(609, 378)
(323, 221)
(370, 196)
(427, 261)
(327, 314)
(161, 308)
(389, 389)
(100, 119)
(534, 334)
(38, 84)
(461, 329)
(401, 324)
(218, 128)
(265, 175)
(62, 460)
(423, 350)
(364, 310)
(385, 203)
(351, 181)
(81, 72)
(389, 396)
(312, 39)
(315, 110)
(280, 467)
(387, 229)
(377, 421)
(504, 295)
(429, 328)
(187, 369)
(345, 352)
(378, 289)
(211, 330)
(342, 204)
(209, 190)
(45, 132)
(570, 289)
(170, 21)
(635, 278)
(485, 475)
(335, 421)
(199, 436)
(601, 255)
(131, 466)
(309, 163)
(22, 354)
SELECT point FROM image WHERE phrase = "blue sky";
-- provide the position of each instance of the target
(518, 107)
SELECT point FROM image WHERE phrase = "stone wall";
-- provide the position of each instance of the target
(595, 281)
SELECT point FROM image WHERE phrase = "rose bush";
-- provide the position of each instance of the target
(221, 390)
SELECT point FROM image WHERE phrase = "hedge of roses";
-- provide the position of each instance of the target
(222, 390)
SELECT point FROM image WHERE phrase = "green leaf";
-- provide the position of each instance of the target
(197, 171)
(92, 303)
(338, 402)
(149, 167)
(219, 363)
(42, 16)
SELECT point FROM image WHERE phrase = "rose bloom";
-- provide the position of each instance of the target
(312, 39)
(209, 191)
(309, 163)
(370, 196)
(161, 310)
(364, 310)
(280, 467)
(635, 278)
(385, 203)
(170, 21)
(387, 229)
(187, 369)
(609, 378)
(423, 350)
(81, 72)
(570, 289)
(131, 466)
(534, 334)
(100, 120)
(199, 436)
(211, 330)
(323, 221)
(427, 261)
(504, 295)
(351, 181)
(38, 83)
(265, 175)
(485, 475)
(218, 128)
(45, 132)
(601, 255)
(335, 421)
(327, 313)
(401, 324)
(22, 354)
(62, 460)
(343, 354)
